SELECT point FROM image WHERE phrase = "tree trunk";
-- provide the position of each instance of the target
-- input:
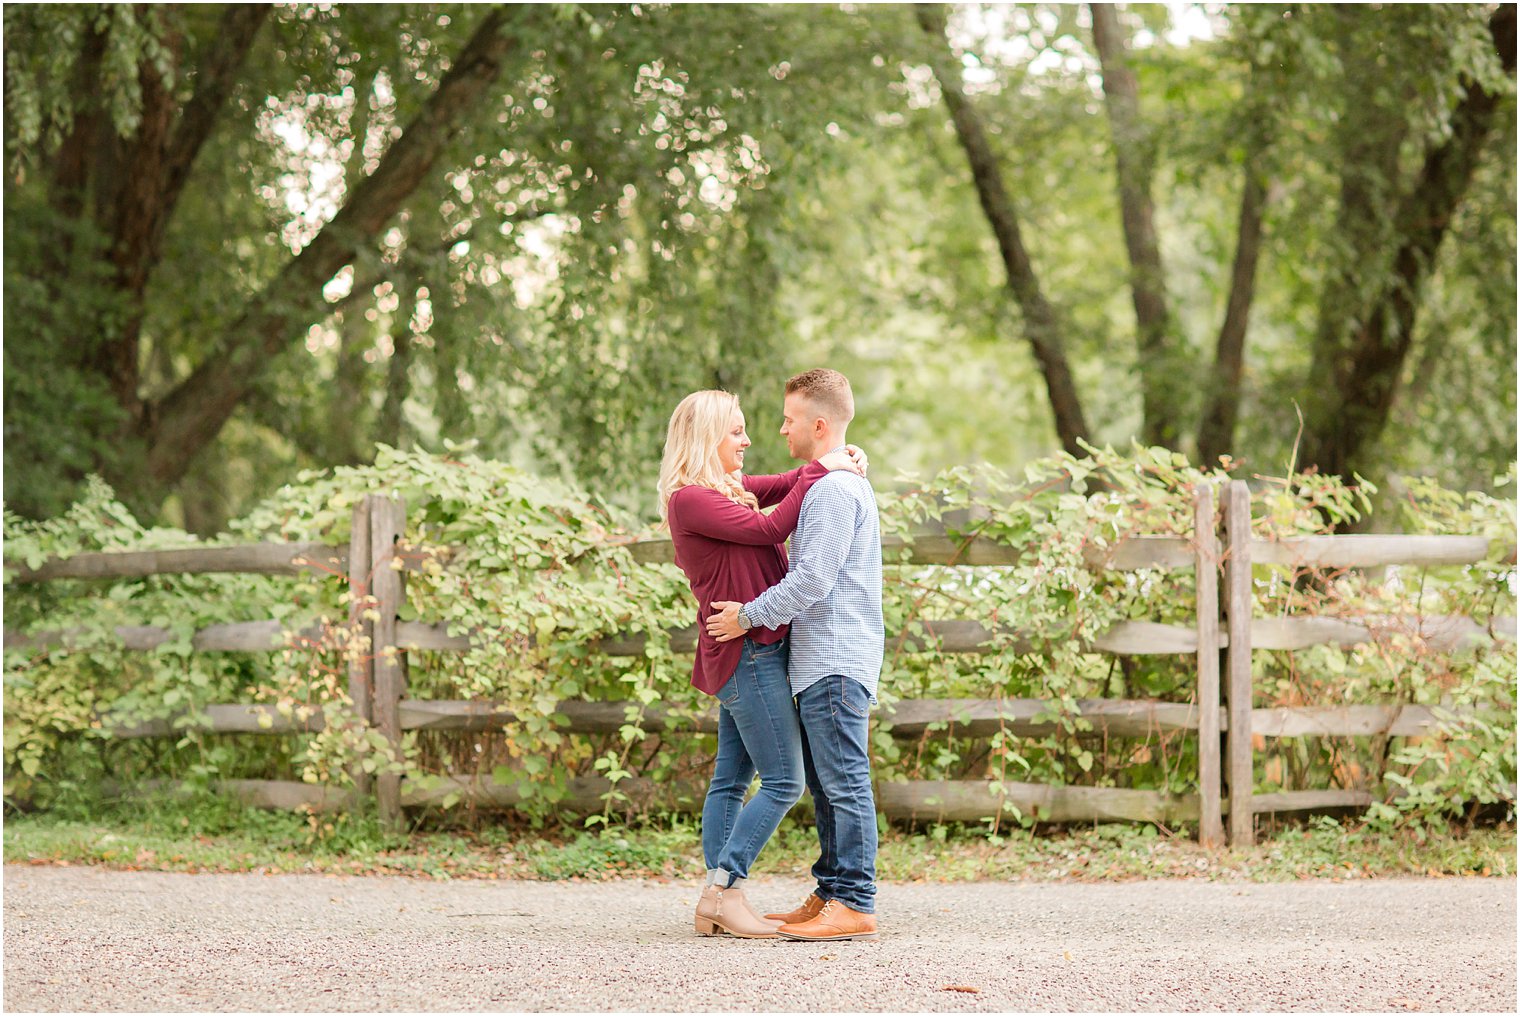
(1041, 326)
(203, 495)
(1216, 433)
(70, 179)
(1363, 238)
(398, 371)
(191, 415)
(131, 222)
(1163, 373)
(347, 449)
(146, 189)
(1362, 369)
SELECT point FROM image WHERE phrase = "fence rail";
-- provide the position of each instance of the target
(914, 800)
(254, 559)
(908, 719)
(1131, 638)
(1222, 709)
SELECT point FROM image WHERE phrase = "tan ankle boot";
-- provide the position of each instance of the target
(726, 910)
(806, 912)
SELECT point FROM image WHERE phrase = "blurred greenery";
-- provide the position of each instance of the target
(649, 199)
(199, 832)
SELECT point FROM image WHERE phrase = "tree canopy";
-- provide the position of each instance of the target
(246, 240)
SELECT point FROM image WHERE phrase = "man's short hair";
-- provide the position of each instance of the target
(828, 391)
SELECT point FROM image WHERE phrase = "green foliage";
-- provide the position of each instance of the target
(538, 574)
(1469, 762)
(599, 228)
(199, 832)
(194, 829)
(654, 199)
(612, 854)
(41, 85)
(60, 416)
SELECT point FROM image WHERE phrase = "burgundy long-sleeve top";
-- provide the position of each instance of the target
(731, 552)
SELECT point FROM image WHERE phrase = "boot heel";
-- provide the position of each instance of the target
(706, 927)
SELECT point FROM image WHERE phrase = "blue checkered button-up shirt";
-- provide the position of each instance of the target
(831, 595)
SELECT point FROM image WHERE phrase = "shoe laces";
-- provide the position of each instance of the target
(828, 908)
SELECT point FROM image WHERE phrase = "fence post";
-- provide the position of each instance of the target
(361, 665)
(387, 521)
(1238, 602)
(1205, 567)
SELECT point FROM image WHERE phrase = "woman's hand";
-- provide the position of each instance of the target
(857, 455)
(841, 460)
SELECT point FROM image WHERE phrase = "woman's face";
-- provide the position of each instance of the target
(735, 440)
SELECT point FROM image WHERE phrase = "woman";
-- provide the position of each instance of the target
(729, 551)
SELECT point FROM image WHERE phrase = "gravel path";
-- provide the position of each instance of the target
(91, 939)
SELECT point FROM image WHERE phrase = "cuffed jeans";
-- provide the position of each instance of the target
(757, 730)
(836, 756)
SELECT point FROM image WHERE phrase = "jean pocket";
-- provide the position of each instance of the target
(854, 697)
(728, 695)
(760, 652)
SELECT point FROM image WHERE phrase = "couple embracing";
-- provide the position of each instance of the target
(791, 654)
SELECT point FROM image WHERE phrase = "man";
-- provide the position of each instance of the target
(831, 597)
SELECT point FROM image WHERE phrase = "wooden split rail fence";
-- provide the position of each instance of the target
(1220, 713)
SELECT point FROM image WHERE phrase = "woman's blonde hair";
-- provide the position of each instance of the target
(691, 449)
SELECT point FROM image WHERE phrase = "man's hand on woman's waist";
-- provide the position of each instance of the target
(727, 624)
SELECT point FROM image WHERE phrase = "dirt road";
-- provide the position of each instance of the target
(91, 939)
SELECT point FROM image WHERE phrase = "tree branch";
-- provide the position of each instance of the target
(214, 80)
(195, 411)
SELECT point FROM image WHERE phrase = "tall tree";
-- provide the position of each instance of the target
(1216, 429)
(124, 175)
(1042, 327)
(591, 211)
(1366, 331)
(1162, 366)
(189, 417)
(648, 199)
(1254, 124)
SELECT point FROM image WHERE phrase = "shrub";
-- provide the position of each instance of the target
(540, 573)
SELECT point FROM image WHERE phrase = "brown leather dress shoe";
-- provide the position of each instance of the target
(833, 922)
(806, 912)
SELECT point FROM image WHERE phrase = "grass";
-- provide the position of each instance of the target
(210, 834)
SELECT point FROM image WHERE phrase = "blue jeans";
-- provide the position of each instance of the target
(757, 730)
(836, 752)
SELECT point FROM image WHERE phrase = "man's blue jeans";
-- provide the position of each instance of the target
(836, 753)
(757, 730)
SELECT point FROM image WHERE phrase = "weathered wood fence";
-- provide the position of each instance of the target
(1220, 711)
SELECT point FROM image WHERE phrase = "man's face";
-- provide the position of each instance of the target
(799, 427)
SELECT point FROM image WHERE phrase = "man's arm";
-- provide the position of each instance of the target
(812, 575)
